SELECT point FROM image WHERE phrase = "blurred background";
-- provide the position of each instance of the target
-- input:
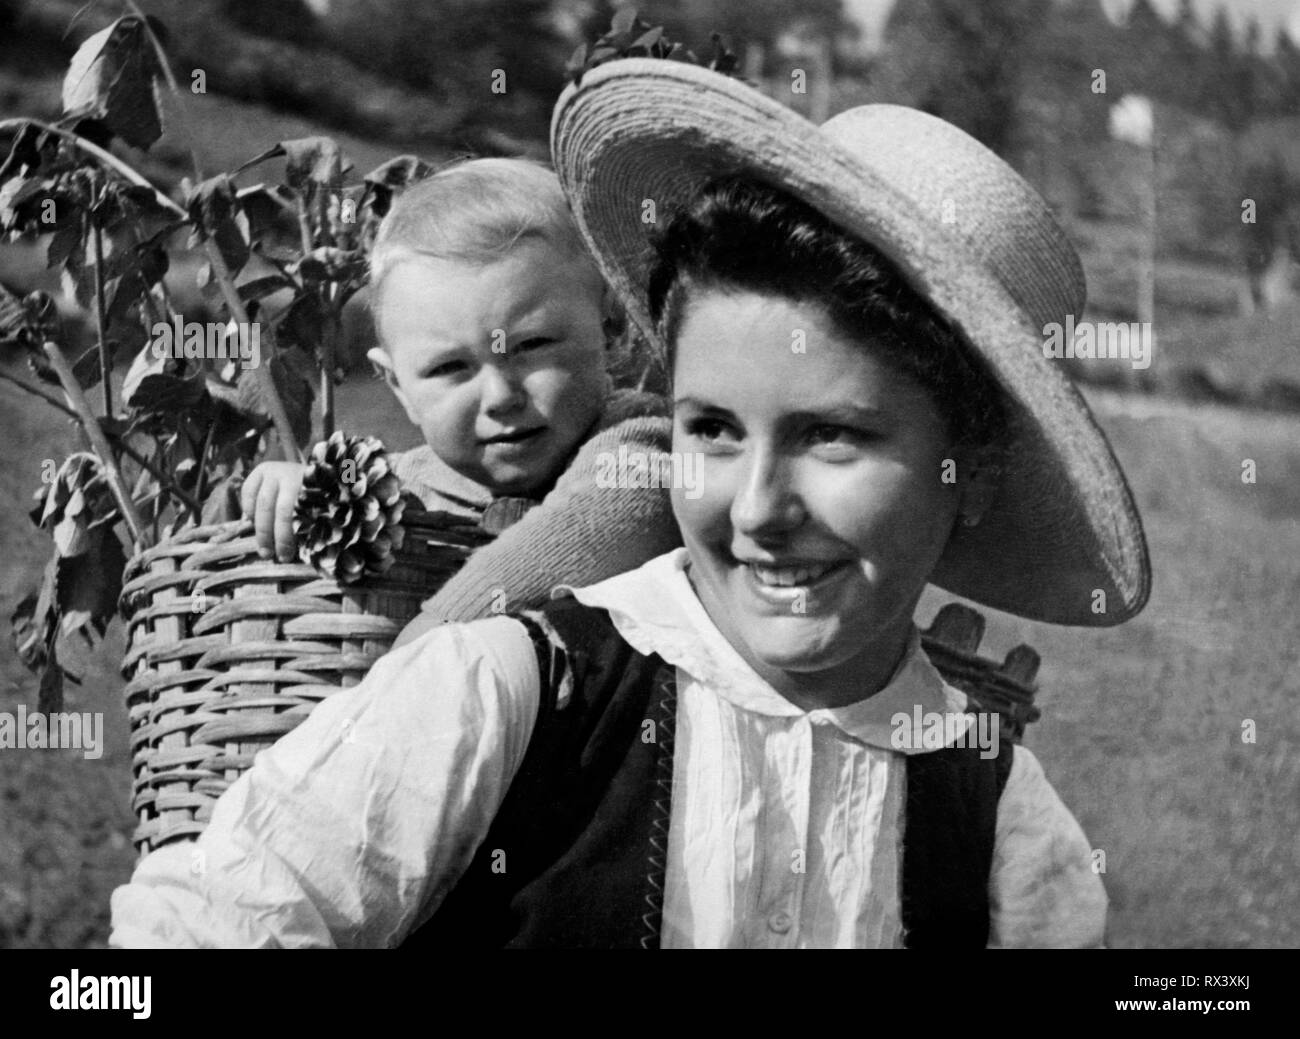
(1166, 136)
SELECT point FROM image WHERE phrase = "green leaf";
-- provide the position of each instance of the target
(294, 377)
(271, 211)
(112, 79)
(222, 504)
(18, 192)
(649, 39)
(576, 63)
(329, 264)
(313, 160)
(153, 262)
(215, 213)
(75, 475)
(383, 182)
(399, 172)
(27, 628)
(90, 583)
(26, 152)
(86, 369)
(168, 394)
(723, 60)
(49, 699)
(70, 532)
(623, 21)
(62, 245)
(304, 325)
(145, 364)
(13, 316)
(260, 288)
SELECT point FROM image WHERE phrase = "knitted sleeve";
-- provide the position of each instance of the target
(591, 526)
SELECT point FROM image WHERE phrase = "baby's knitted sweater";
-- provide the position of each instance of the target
(579, 534)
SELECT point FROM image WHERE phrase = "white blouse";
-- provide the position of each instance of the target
(785, 829)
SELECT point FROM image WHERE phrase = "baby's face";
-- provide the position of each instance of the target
(501, 365)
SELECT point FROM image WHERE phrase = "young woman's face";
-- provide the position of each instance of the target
(823, 508)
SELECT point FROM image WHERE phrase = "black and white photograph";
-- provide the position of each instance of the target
(686, 474)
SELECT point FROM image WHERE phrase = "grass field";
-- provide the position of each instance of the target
(1141, 729)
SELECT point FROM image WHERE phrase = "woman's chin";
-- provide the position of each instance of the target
(798, 645)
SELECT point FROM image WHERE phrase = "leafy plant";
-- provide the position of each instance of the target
(281, 261)
(630, 37)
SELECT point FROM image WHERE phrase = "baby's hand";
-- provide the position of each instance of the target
(268, 497)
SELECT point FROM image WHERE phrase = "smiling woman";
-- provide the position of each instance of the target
(824, 510)
(701, 752)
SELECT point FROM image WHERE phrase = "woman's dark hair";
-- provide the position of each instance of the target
(742, 234)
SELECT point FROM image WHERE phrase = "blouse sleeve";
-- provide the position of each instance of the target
(351, 829)
(1043, 892)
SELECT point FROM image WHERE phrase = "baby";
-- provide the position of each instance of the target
(494, 323)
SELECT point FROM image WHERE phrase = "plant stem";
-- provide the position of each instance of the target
(36, 391)
(187, 500)
(304, 226)
(101, 320)
(327, 380)
(172, 85)
(200, 483)
(95, 433)
(107, 158)
(164, 481)
(329, 347)
(288, 443)
(289, 446)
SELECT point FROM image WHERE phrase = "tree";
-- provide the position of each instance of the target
(963, 60)
(502, 59)
(1276, 227)
(1286, 60)
(1222, 88)
(1188, 53)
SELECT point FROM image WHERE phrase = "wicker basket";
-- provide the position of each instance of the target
(1007, 687)
(228, 651)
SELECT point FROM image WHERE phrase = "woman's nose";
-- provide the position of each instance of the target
(503, 389)
(766, 501)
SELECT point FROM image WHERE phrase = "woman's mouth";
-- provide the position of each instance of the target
(789, 576)
(794, 583)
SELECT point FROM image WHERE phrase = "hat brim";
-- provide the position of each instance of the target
(1062, 542)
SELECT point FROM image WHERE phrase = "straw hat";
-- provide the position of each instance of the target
(962, 227)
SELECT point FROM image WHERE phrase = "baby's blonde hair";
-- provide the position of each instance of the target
(475, 212)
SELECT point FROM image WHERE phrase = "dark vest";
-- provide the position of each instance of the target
(576, 855)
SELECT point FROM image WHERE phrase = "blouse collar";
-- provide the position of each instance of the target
(656, 610)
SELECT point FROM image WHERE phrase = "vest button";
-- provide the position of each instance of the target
(780, 921)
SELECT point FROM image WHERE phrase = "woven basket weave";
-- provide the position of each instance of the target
(228, 651)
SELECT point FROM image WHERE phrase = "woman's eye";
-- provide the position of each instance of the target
(836, 436)
(535, 343)
(710, 430)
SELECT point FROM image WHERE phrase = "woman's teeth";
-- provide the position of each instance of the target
(789, 576)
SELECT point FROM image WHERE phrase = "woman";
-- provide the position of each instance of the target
(705, 751)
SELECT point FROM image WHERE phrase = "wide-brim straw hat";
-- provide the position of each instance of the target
(963, 228)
